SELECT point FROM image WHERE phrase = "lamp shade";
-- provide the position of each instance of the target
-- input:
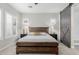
(53, 22)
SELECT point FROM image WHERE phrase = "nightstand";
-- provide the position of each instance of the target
(22, 35)
(54, 35)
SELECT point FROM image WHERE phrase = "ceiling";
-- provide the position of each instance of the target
(39, 8)
(75, 7)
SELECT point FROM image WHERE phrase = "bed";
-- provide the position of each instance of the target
(41, 43)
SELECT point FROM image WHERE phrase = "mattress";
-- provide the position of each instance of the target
(38, 38)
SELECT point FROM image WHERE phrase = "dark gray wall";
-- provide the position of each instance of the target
(65, 26)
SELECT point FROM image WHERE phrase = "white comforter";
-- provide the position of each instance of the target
(37, 38)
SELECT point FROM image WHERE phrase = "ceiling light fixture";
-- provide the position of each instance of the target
(30, 6)
(36, 3)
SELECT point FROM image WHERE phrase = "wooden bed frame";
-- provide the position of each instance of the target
(37, 47)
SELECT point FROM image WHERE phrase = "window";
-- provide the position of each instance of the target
(0, 24)
(8, 25)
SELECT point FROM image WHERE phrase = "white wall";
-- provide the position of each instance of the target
(75, 26)
(43, 20)
(5, 7)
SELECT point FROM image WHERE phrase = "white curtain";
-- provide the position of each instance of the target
(8, 25)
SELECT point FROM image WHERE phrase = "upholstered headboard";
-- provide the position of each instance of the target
(38, 29)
